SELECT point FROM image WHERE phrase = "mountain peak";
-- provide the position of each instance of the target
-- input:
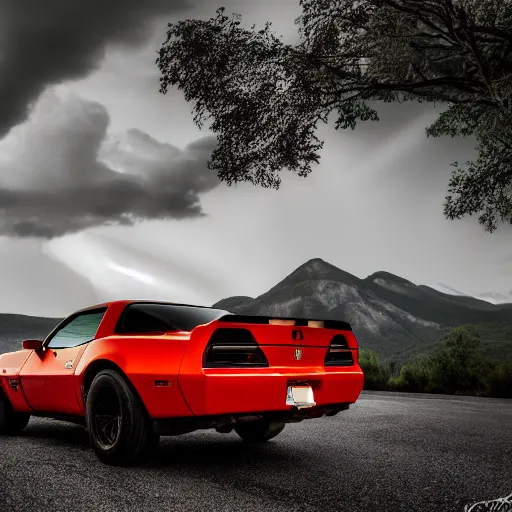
(229, 302)
(319, 269)
(315, 264)
(387, 276)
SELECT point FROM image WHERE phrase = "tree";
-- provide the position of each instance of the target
(500, 381)
(459, 364)
(415, 376)
(375, 377)
(266, 98)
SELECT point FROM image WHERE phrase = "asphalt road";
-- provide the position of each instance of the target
(389, 452)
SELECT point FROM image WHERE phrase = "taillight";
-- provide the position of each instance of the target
(233, 348)
(339, 353)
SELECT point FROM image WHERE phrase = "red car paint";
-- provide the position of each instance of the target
(167, 370)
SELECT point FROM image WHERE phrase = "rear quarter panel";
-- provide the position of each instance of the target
(144, 360)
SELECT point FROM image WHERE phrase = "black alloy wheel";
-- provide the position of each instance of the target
(107, 417)
(120, 429)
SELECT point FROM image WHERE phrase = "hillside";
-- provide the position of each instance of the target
(389, 314)
(15, 328)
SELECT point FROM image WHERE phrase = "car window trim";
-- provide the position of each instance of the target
(67, 321)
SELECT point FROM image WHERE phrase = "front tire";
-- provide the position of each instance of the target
(119, 427)
(11, 422)
(259, 431)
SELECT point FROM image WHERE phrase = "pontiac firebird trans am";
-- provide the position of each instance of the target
(131, 371)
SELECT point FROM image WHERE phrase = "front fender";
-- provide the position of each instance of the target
(11, 364)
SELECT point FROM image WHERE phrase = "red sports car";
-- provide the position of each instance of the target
(131, 371)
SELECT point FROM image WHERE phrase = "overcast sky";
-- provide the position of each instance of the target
(104, 146)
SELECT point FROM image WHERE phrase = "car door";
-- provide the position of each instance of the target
(48, 377)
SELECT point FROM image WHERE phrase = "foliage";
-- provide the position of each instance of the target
(375, 376)
(457, 366)
(459, 363)
(496, 340)
(416, 376)
(500, 381)
(265, 98)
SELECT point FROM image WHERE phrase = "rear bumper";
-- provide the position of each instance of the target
(219, 392)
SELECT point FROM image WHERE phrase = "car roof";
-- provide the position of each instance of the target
(134, 301)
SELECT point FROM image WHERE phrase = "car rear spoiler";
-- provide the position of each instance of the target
(276, 320)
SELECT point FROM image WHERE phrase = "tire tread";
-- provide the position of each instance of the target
(11, 422)
(137, 439)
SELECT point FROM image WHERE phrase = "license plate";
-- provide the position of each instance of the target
(300, 396)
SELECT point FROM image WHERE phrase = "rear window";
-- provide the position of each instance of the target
(148, 318)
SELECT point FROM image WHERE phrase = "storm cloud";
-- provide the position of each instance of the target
(47, 42)
(60, 172)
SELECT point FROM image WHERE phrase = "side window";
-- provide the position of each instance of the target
(80, 330)
(137, 318)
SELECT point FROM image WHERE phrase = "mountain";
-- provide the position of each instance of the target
(16, 328)
(391, 315)
(496, 298)
(232, 302)
(441, 287)
(492, 297)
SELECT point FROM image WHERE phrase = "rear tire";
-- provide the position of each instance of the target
(119, 427)
(11, 422)
(259, 431)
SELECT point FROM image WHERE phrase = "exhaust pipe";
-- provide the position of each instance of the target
(246, 419)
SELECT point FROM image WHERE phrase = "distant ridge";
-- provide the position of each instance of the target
(389, 314)
(15, 328)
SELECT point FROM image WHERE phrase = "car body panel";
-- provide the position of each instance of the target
(167, 370)
(12, 362)
(234, 391)
(144, 360)
(49, 383)
(216, 391)
(10, 366)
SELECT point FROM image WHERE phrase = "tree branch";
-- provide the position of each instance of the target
(503, 34)
(417, 14)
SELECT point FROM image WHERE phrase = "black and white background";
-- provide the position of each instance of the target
(105, 194)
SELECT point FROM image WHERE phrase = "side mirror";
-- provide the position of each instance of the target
(32, 345)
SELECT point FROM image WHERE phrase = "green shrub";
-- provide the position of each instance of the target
(397, 384)
(499, 381)
(374, 375)
(457, 366)
(417, 375)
